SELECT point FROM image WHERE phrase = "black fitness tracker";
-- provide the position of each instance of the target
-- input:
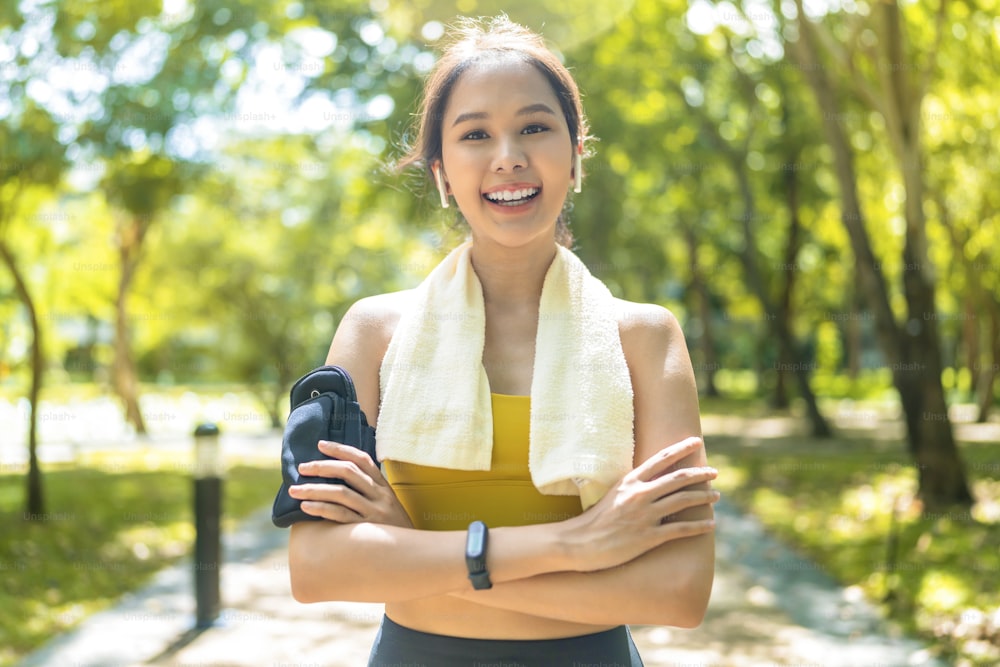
(475, 556)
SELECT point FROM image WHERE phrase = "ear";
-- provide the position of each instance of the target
(577, 169)
(440, 176)
(440, 182)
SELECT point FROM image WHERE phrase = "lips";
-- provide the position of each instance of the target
(512, 195)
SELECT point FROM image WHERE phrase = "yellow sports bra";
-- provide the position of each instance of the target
(446, 499)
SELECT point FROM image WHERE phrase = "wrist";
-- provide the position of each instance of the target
(520, 552)
(569, 547)
(562, 549)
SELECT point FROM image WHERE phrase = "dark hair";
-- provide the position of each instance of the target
(478, 40)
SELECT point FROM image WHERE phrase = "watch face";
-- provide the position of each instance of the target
(475, 545)
(475, 556)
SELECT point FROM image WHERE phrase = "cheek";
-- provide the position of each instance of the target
(556, 153)
(459, 159)
(461, 166)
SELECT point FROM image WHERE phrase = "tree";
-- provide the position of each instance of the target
(679, 150)
(912, 349)
(276, 242)
(963, 201)
(33, 158)
(145, 108)
(777, 311)
(141, 185)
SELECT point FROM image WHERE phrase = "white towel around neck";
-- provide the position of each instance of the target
(435, 396)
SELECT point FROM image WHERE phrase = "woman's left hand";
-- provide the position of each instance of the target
(365, 496)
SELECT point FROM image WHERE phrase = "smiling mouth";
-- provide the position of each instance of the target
(512, 197)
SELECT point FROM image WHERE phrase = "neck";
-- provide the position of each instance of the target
(512, 276)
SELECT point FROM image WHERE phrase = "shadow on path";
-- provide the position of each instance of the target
(769, 607)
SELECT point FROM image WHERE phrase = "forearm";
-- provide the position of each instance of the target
(367, 562)
(668, 585)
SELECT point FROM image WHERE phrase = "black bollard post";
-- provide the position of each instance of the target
(207, 516)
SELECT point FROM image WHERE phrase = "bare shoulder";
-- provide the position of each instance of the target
(361, 340)
(643, 327)
(377, 314)
(656, 353)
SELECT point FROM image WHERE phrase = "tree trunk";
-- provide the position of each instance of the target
(778, 322)
(970, 341)
(126, 382)
(285, 380)
(913, 352)
(852, 339)
(989, 370)
(703, 299)
(778, 327)
(970, 349)
(783, 307)
(779, 396)
(273, 396)
(34, 495)
(786, 286)
(942, 473)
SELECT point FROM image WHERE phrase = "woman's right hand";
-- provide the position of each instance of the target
(641, 511)
(364, 496)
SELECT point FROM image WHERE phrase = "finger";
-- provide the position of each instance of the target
(676, 530)
(354, 455)
(337, 513)
(661, 461)
(330, 494)
(683, 479)
(327, 493)
(347, 471)
(671, 506)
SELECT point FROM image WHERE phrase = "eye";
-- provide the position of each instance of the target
(475, 135)
(534, 128)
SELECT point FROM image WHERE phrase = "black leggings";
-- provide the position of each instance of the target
(399, 646)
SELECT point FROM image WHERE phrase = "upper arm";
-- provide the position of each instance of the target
(666, 412)
(359, 345)
(663, 383)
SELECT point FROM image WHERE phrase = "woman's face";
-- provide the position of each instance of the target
(507, 153)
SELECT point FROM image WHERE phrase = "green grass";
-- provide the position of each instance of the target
(107, 530)
(849, 503)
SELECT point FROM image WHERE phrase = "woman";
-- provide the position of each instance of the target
(474, 563)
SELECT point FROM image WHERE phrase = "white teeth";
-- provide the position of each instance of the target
(512, 195)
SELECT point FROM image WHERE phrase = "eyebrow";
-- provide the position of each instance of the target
(524, 111)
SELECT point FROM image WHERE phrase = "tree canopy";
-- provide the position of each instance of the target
(195, 192)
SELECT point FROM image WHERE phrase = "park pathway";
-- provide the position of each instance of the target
(769, 607)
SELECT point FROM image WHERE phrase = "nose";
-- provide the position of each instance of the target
(509, 155)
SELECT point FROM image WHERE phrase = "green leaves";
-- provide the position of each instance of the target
(144, 184)
(31, 152)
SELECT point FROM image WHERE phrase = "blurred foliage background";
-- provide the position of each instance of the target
(193, 193)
